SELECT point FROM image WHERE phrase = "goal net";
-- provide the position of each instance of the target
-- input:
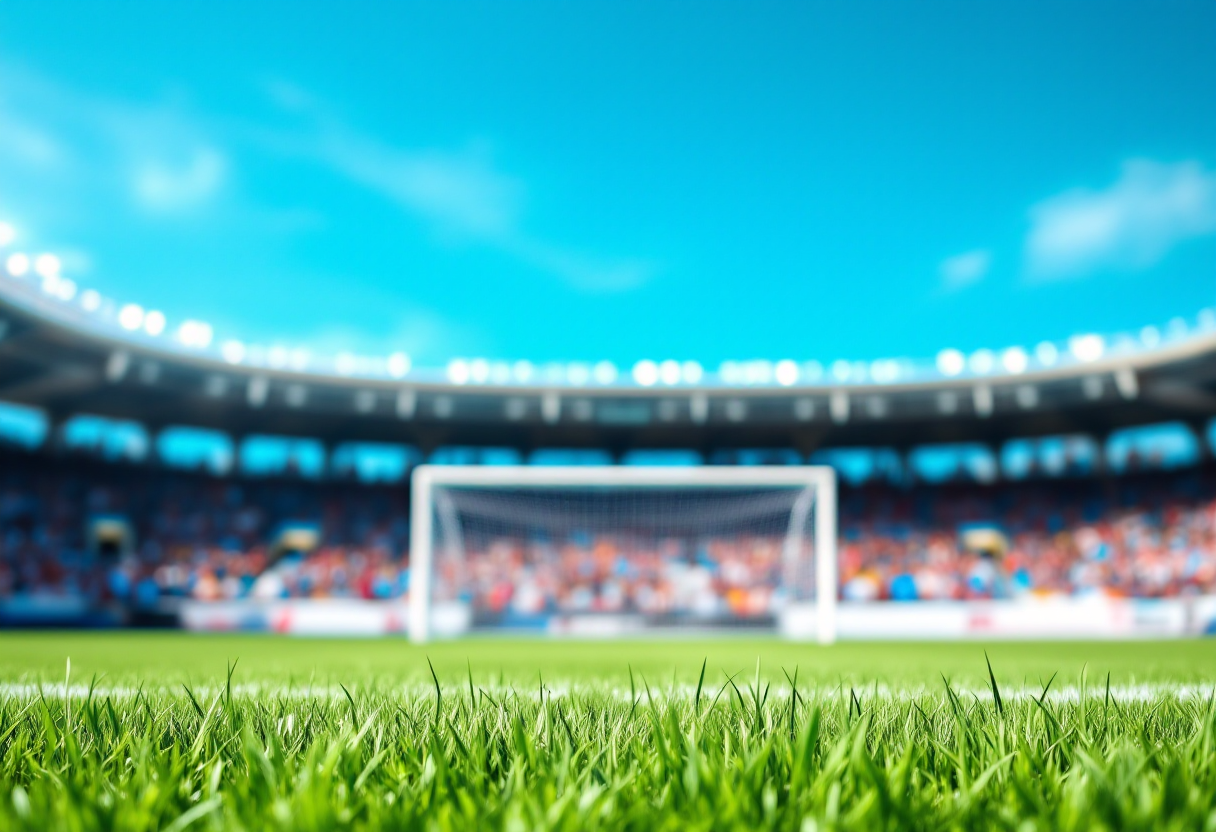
(618, 550)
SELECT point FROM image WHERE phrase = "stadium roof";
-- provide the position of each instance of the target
(70, 353)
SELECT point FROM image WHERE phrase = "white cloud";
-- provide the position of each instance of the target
(163, 187)
(1132, 224)
(27, 143)
(462, 195)
(159, 152)
(964, 269)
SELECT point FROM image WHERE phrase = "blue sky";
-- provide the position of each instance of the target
(578, 181)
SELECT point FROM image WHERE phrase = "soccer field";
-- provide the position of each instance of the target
(160, 731)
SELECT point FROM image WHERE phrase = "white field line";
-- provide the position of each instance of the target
(866, 694)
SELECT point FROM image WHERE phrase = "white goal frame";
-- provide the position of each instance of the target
(820, 479)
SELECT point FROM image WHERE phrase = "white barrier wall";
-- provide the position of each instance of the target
(1061, 618)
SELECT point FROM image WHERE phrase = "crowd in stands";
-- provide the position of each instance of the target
(194, 535)
(517, 577)
(1150, 534)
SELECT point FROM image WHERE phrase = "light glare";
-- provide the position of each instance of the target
(131, 317)
(18, 264)
(1087, 347)
(154, 323)
(1014, 360)
(646, 372)
(786, 372)
(398, 365)
(950, 362)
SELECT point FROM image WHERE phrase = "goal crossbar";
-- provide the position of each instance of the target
(820, 480)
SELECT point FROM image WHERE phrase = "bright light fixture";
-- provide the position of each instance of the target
(646, 372)
(522, 371)
(604, 372)
(1014, 360)
(458, 371)
(18, 264)
(950, 362)
(578, 374)
(7, 234)
(982, 362)
(786, 372)
(90, 300)
(1046, 354)
(131, 316)
(398, 364)
(154, 323)
(47, 265)
(194, 334)
(233, 352)
(669, 372)
(1087, 347)
(691, 372)
(479, 370)
(729, 372)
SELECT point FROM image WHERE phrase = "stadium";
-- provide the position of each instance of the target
(253, 579)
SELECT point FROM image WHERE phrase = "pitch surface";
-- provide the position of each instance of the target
(159, 731)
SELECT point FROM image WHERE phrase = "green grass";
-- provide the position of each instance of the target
(159, 731)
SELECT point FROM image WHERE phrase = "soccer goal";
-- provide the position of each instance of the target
(620, 550)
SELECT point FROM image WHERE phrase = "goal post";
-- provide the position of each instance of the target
(476, 529)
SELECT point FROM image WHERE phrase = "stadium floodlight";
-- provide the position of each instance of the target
(458, 371)
(500, 373)
(578, 373)
(90, 300)
(982, 362)
(7, 234)
(604, 372)
(131, 317)
(786, 373)
(1014, 360)
(729, 372)
(522, 371)
(47, 265)
(669, 372)
(691, 372)
(1087, 347)
(758, 372)
(154, 323)
(195, 334)
(345, 363)
(398, 365)
(491, 546)
(950, 362)
(65, 289)
(17, 264)
(1047, 354)
(885, 370)
(646, 372)
(233, 352)
(841, 369)
(479, 371)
